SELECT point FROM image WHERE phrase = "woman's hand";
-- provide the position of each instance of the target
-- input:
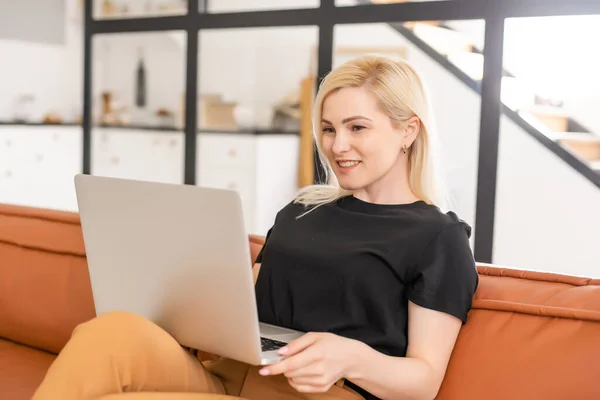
(315, 361)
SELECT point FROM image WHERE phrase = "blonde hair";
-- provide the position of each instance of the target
(401, 95)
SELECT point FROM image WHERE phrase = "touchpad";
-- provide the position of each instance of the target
(279, 333)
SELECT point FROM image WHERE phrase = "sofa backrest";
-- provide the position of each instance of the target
(44, 283)
(45, 288)
(530, 335)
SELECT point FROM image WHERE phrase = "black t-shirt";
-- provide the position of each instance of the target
(350, 268)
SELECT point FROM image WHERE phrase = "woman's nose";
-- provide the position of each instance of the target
(341, 144)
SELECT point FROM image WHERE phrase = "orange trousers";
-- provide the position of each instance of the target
(122, 356)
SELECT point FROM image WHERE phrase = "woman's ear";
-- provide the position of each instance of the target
(411, 130)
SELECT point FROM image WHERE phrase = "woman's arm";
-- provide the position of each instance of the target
(255, 270)
(316, 361)
(431, 339)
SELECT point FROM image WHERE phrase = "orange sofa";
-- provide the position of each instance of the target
(529, 336)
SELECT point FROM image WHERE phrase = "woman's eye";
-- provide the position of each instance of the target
(327, 130)
(357, 127)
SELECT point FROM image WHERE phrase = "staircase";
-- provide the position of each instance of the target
(542, 115)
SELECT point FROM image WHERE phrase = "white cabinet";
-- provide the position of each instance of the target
(38, 163)
(148, 155)
(263, 168)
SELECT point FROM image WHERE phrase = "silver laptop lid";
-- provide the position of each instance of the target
(176, 254)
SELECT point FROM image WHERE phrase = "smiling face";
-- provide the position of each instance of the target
(361, 143)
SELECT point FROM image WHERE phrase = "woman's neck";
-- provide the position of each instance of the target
(385, 197)
(392, 188)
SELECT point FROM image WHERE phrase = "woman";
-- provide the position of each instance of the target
(369, 265)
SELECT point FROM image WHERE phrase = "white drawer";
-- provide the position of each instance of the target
(6, 141)
(138, 154)
(231, 150)
(228, 178)
(240, 180)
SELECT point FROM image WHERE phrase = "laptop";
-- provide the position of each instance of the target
(179, 256)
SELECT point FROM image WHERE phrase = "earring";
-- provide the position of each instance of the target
(404, 149)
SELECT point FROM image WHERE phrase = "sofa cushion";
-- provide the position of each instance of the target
(22, 369)
(530, 335)
(44, 282)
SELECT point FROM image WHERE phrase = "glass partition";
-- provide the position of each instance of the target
(139, 87)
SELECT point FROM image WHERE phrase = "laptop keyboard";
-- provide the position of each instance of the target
(270, 344)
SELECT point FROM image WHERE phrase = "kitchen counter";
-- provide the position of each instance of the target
(16, 123)
(156, 128)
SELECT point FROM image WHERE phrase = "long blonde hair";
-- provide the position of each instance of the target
(401, 95)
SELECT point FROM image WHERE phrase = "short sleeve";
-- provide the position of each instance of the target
(445, 277)
(259, 257)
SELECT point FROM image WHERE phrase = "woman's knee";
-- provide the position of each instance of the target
(119, 326)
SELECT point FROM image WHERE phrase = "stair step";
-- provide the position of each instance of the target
(412, 24)
(557, 136)
(586, 147)
(443, 40)
(470, 63)
(554, 118)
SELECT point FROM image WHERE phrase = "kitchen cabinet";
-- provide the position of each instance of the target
(38, 163)
(262, 168)
(148, 155)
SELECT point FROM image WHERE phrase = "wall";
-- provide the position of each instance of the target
(52, 73)
(547, 215)
(33, 21)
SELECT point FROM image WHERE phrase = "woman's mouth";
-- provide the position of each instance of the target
(346, 165)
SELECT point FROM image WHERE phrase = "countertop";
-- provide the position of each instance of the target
(151, 128)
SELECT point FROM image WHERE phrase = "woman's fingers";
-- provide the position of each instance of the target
(300, 344)
(315, 380)
(292, 363)
(309, 388)
(310, 370)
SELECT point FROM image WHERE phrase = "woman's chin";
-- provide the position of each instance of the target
(349, 181)
(349, 185)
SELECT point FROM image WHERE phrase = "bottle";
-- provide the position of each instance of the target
(140, 90)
